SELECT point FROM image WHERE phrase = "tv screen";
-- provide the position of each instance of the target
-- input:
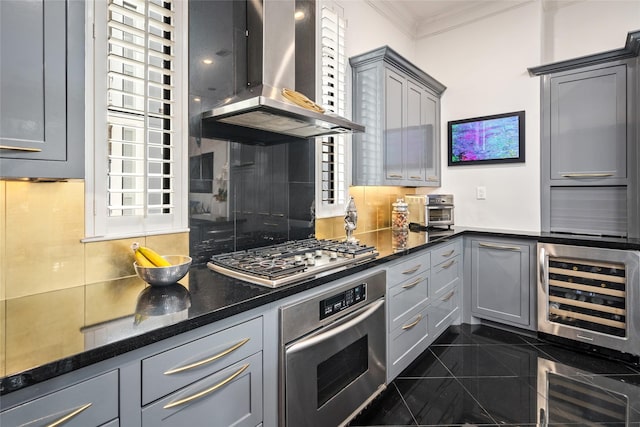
(489, 139)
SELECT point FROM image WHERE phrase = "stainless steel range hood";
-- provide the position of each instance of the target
(261, 112)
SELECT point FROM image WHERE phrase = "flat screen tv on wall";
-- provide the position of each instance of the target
(484, 140)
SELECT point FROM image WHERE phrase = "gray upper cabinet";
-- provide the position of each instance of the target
(42, 86)
(589, 143)
(588, 116)
(399, 105)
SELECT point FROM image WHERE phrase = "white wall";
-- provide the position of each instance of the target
(484, 66)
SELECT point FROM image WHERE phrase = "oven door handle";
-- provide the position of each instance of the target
(336, 330)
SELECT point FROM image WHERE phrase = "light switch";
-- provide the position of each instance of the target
(481, 193)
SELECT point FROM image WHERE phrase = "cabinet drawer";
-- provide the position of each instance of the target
(408, 341)
(443, 311)
(446, 252)
(405, 297)
(400, 272)
(90, 403)
(232, 396)
(178, 367)
(444, 275)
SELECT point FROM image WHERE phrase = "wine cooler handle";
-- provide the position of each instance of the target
(544, 280)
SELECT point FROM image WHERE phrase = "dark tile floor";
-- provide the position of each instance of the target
(479, 375)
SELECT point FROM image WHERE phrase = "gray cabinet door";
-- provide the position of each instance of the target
(500, 281)
(42, 84)
(395, 104)
(588, 125)
(416, 135)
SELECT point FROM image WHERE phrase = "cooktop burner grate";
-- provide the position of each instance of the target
(290, 261)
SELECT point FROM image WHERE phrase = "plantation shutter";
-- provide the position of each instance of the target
(333, 152)
(140, 100)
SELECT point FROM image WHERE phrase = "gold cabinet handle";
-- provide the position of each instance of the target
(394, 175)
(587, 175)
(412, 324)
(504, 247)
(448, 296)
(449, 264)
(432, 178)
(412, 284)
(208, 360)
(207, 391)
(415, 177)
(69, 416)
(448, 254)
(12, 148)
(412, 270)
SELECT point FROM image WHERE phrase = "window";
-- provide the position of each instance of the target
(332, 166)
(138, 138)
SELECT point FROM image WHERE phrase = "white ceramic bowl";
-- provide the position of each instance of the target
(163, 276)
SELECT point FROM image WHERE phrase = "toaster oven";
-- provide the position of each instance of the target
(430, 210)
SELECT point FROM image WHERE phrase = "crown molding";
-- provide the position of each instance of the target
(399, 17)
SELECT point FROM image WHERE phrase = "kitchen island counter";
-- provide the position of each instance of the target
(89, 324)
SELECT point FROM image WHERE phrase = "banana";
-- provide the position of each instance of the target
(141, 260)
(153, 256)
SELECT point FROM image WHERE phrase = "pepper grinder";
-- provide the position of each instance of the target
(351, 220)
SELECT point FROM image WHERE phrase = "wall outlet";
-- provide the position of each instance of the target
(481, 193)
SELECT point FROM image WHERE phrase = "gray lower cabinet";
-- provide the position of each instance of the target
(422, 301)
(399, 105)
(42, 87)
(229, 397)
(501, 279)
(93, 402)
(213, 381)
(211, 376)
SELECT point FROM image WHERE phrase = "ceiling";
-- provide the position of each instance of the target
(423, 18)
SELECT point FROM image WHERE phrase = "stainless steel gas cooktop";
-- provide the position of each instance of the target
(292, 261)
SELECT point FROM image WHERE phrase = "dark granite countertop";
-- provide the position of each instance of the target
(135, 316)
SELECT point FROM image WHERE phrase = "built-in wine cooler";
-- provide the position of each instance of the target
(570, 396)
(587, 294)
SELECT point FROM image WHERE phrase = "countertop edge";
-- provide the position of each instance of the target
(72, 363)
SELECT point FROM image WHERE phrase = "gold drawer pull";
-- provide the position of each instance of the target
(412, 284)
(412, 270)
(394, 175)
(415, 177)
(209, 360)
(449, 295)
(448, 254)
(449, 264)
(505, 247)
(69, 416)
(586, 175)
(414, 323)
(11, 147)
(432, 178)
(207, 391)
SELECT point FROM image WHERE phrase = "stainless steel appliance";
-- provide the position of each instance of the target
(430, 210)
(567, 395)
(333, 360)
(290, 262)
(589, 295)
(271, 67)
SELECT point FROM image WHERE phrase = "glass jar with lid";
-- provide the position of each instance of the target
(400, 216)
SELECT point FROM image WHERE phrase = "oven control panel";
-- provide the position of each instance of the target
(343, 300)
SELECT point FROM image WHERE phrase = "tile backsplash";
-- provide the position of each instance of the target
(374, 211)
(41, 227)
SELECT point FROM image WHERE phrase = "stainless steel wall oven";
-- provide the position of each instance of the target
(333, 359)
(590, 295)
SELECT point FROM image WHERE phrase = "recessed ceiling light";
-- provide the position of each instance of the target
(207, 61)
(299, 15)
